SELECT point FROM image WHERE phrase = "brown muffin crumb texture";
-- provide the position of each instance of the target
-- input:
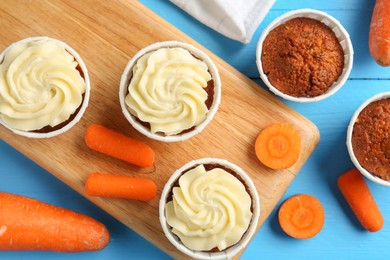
(302, 57)
(371, 138)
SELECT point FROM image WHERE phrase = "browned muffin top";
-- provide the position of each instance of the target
(302, 57)
(371, 138)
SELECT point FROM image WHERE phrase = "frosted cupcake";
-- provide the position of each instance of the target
(44, 87)
(209, 209)
(170, 91)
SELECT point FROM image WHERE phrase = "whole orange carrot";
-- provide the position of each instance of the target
(109, 185)
(379, 35)
(109, 142)
(355, 190)
(29, 224)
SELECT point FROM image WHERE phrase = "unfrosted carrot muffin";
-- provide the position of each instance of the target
(169, 90)
(42, 87)
(371, 138)
(302, 57)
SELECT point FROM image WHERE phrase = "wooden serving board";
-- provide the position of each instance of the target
(107, 34)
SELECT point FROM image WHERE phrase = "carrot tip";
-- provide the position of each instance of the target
(29, 224)
(358, 196)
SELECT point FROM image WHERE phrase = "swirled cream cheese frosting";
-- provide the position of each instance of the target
(209, 209)
(39, 85)
(167, 90)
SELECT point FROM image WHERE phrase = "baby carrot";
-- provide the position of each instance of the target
(278, 146)
(29, 224)
(109, 185)
(356, 192)
(301, 216)
(109, 142)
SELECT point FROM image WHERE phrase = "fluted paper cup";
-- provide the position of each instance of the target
(83, 106)
(341, 34)
(230, 251)
(126, 78)
(367, 174)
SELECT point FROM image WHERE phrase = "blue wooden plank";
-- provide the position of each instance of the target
(324, 5)
(356, 21)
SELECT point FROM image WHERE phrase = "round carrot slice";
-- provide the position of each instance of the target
(278, 146)
(301, 216)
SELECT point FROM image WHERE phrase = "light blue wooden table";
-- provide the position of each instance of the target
(342, 236)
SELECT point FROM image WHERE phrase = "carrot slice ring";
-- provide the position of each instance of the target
(278, 146)
(301, 216)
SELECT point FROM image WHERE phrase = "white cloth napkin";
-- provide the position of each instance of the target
(236, 19)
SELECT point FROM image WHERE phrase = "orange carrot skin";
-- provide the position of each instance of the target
(109, 142)
(29, 224)
(116, 186)
(355, 190)
(379, 35)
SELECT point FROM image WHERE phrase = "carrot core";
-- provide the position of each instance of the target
(278, 146)
(302, 218)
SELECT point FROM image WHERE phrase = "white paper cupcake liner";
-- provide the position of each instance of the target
(340, 33)
(225, 254)
(363, 171)
(84, 104)
(125, 80)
